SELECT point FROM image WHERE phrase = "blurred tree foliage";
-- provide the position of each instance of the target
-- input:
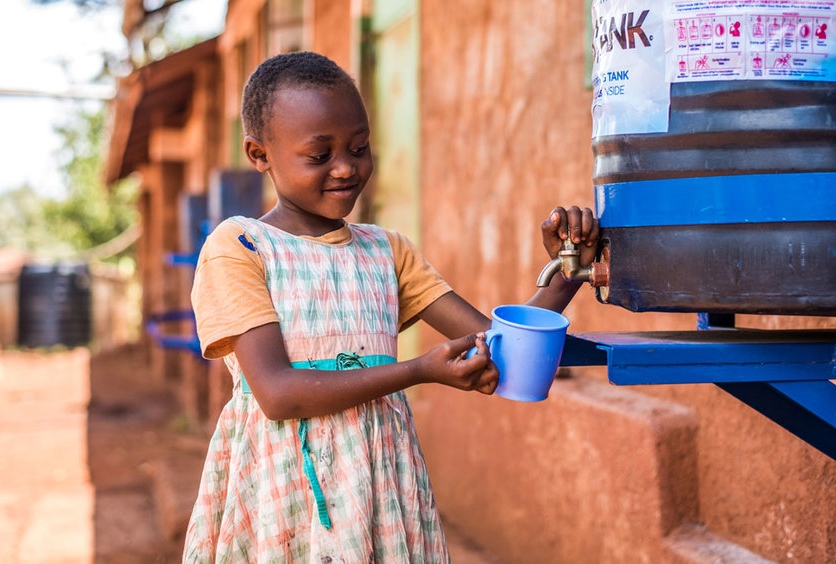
(92, 214)
(89, 216)
(24, 224)
(145, 24)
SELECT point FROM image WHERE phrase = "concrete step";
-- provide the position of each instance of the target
(175, 481)
(695, 544)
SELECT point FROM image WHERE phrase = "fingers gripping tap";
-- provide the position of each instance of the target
(568, 264)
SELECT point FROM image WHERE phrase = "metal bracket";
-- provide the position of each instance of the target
(785, 375)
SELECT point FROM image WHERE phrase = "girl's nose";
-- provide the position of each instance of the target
(343, 168)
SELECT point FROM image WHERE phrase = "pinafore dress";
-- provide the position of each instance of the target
(350, 487)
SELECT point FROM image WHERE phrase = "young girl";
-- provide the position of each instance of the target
(315, 458)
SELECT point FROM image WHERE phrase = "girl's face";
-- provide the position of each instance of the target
(316, 151)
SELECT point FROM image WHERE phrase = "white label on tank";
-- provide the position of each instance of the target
(641, 46)
(740, 39)
(631, 93)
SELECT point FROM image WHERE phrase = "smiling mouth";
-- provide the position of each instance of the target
(342, 190)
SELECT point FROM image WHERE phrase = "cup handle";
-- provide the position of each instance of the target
(490, 335)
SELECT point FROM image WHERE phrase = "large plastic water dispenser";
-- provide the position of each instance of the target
(714, 141)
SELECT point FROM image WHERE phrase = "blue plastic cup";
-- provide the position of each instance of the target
(526, 344)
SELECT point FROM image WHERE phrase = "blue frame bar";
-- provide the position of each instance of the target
(190, 342)
(806, 409)
(694, 357)
(704, 200)
(785, 375)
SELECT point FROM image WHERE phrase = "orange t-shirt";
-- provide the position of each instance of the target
(230, 295)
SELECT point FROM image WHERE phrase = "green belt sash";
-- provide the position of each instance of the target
(343, 361)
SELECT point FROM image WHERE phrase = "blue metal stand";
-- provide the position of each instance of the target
(190, 342)
(154, 324)
(785, 375)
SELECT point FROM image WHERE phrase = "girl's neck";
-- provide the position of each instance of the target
(299, 223)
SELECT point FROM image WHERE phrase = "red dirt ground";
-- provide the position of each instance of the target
(133, 442)
(85, 446)
(96, 466)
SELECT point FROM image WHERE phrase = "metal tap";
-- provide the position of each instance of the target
(568, 263)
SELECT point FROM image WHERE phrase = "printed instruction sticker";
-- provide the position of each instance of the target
(640, 47)
(740, 39)
(631, 93)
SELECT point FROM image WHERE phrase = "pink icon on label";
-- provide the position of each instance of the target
(693, 31)
(782, 62)
(757, 28)
(821, 31)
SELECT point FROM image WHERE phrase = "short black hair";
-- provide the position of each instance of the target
(297, 69)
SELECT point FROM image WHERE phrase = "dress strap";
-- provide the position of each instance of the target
(310, 474)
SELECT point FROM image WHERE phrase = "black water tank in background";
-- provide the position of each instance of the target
(55, 305)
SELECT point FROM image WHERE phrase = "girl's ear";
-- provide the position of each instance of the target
(256, 154)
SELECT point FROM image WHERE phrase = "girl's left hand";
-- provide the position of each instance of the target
(449, 364)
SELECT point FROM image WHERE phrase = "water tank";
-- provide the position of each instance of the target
(54, 305)
(714, 142)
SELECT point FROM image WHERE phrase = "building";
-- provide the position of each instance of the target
(481, 124)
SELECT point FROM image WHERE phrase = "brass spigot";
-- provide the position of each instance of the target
(568, 263)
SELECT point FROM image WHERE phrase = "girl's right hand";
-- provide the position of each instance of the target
(576, 224)
(448, 364)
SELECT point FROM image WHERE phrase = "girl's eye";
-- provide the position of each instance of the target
(319, 158)
(360, 151)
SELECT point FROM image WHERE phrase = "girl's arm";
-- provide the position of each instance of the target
(283, 392)
(453, 316)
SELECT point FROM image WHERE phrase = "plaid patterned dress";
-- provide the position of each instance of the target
(350, 487)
